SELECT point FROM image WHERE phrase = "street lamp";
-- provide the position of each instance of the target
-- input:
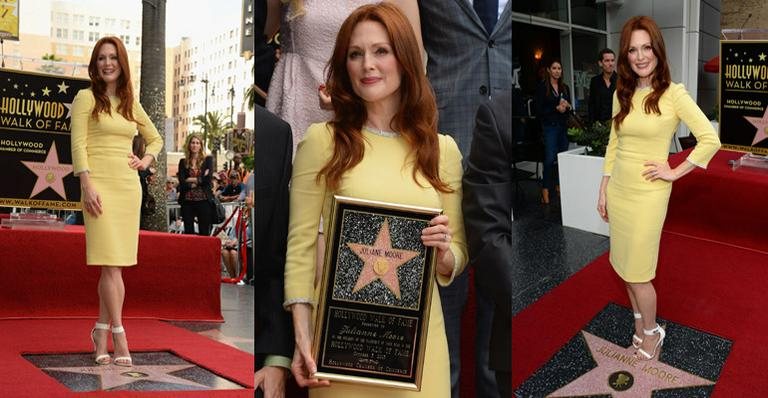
(205, 114)
(231, 121)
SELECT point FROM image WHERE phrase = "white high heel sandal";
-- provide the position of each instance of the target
(120, 361)
(662, 334)
(103, 359)
(636, 340)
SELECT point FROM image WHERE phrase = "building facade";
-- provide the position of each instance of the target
(574, 31)
(210, 75)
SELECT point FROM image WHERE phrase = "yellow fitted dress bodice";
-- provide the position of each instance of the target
(101, 148)
(384, 174)
(637, 207)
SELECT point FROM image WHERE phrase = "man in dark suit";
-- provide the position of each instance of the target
(273, 150)
(601, 88)
(487, 205)
(469, 60)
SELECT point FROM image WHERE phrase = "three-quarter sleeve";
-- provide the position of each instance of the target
(707, 142)
(451, 173)
(613, 140)
(153, 140)
(82, 106)
(306, 205)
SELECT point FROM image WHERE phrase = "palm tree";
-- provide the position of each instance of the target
(152, 98)
(216, 127)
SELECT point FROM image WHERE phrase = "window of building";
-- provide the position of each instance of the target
(61, 49)
(77, 51)
(93, 36)
(126, 24)
(93, 21)
(138, 41)
(78, 35)
(109, 22)
(586, 46)
(78, 20)
(588, 13)
(553, 9)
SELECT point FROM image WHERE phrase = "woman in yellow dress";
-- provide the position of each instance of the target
(637, 181)
(105, 118)
(381, 145)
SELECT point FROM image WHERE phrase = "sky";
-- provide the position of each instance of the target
(192, 18)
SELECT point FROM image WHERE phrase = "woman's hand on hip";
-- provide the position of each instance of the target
(438, 235)
(658, 171)
(137, 163)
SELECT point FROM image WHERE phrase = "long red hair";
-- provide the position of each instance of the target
(627, 78)
(124, 86)
(416, 117)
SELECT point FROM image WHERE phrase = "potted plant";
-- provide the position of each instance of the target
(581, 170)
(594, 137)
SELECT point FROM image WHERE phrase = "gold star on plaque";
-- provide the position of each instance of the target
(46, 91)
(63, 87)
(762, 56)
(381, 261)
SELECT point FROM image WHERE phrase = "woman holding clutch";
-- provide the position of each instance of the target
(383, 145)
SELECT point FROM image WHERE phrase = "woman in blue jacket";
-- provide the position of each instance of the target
(553, 102)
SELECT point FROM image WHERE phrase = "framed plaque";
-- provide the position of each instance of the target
(376, 291)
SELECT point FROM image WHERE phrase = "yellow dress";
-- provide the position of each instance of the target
(636, 207)
(384, 174)
(102, 147)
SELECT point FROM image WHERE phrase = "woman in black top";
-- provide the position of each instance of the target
(195, 187)
(553, 102)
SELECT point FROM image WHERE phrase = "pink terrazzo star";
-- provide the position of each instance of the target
(761, 123)
(50, 174)
(381, 261)
(620, 374)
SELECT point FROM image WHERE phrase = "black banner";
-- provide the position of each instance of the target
(35, 153)
(744, 95)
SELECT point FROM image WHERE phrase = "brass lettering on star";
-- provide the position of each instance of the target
(634, 362)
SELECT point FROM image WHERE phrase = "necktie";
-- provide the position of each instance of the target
(488, 11)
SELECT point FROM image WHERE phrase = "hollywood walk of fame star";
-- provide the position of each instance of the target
(46, 91)
(644, 376)
(381, 261)
(68, 105)
(62, 87)
(115, 376)
(761, 123)
(762, 56)
(50, 174)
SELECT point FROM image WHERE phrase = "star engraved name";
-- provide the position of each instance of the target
(380, 261)
(630, 360)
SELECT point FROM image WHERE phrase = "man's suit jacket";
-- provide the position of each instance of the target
(272, 172)
(487, 205)
(466, 64)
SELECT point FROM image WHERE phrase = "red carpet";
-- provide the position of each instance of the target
(713, 287)
(21, 379)
(43, 275)
(719, 204)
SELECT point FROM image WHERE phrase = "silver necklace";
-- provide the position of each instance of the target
(383, 133)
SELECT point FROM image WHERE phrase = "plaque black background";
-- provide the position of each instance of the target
(386, 311)
(18, 179)
(735, 130)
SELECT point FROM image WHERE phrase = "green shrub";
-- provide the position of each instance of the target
(594, 137)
